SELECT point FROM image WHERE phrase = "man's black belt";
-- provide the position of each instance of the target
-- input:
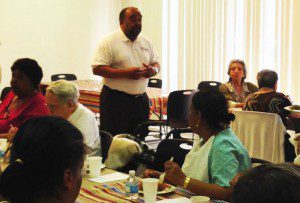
(133, 96)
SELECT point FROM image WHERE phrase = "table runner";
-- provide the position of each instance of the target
(115, 193)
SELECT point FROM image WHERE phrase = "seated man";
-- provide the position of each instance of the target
(274, 183)
(62, 100)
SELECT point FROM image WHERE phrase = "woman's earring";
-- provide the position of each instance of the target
(197, 125)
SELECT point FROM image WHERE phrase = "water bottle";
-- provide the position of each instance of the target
(131, 186)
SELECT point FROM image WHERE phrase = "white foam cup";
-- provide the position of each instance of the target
(150, 189)
(94, 165)
(200, 199)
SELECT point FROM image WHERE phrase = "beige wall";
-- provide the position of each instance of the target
(60, 34)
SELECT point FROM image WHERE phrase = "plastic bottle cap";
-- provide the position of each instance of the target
(132, 172)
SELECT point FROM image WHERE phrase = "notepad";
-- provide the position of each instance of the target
(109, 177)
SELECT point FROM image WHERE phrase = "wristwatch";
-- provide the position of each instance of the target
(156, 70)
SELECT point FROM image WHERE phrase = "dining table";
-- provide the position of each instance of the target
(114, 191)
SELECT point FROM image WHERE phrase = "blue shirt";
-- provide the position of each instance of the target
(226, 158)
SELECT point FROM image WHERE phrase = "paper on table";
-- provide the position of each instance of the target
(110, 177)
(177, 200)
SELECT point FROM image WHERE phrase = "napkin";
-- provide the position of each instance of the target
(110, 177)
(176, 200)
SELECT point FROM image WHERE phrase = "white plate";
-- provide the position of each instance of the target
(169, 189)
(290, 108)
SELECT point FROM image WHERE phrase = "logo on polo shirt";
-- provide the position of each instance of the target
(145, 48)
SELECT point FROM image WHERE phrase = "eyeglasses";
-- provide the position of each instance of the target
(54, 106)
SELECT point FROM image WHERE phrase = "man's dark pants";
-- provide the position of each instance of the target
(121, 112)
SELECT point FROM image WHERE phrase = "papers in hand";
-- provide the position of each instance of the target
(110, 177)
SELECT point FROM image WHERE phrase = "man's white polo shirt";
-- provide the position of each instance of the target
(85, 121)
(117, 51)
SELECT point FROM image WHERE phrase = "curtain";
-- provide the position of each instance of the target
(200, 37)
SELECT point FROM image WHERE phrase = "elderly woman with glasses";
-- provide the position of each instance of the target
(236, 89)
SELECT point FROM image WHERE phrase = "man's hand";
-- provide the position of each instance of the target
(149, 71)
(135, 73)
(174, 173)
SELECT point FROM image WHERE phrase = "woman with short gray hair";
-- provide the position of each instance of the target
(236, 89)
(266, 99)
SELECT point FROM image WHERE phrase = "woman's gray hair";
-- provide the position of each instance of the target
(243, 67)
(64, 90)
(266, 78)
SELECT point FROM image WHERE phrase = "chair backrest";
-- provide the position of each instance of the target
(261, 133)
(63, 76)
(155, 82)
(256, 162)
(106, 140)
(178, 108)
(296, 123)
(171, 148)
(4, 92)
(204, 86)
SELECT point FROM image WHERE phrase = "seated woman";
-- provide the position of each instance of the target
(46, 159)
(24, 101)
(266, 99)
(236, 89)
(277, 183)
(216, 158)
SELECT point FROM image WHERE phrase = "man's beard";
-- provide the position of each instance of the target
(133, 33)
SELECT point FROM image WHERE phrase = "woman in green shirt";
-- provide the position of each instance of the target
(216, 157)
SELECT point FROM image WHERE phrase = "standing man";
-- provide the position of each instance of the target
(125, 59)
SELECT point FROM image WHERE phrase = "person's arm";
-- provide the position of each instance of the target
(149, 173)
(10, 134)
(175, 176)
(110, 72)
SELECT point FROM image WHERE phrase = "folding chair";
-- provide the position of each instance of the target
(171, 148)
(257, 161)
(106, 139)
(63, 76)
(209, 86)
(177, 116)
(155, 82)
